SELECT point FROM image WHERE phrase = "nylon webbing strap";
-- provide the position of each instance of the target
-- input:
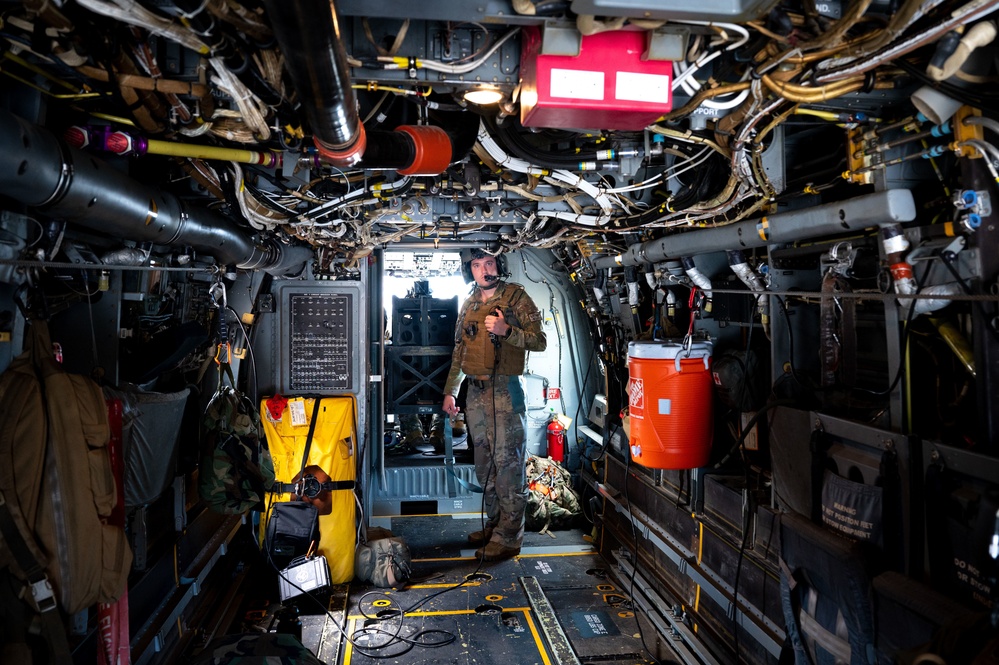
(848, 337)
(449, 458)
(33, 569)
(818, 445)
(308, 439)
(471, 487)
(38, 585)
(449, 465)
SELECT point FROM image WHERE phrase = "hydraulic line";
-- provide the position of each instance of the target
(702, 96)
(521, 148)
(122, 143)
(267, 158)
(987, 123)
(807, 94)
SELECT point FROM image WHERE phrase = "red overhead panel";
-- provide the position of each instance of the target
(607, 86)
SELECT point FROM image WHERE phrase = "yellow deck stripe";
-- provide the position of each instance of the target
(526, 611)
(700, 542)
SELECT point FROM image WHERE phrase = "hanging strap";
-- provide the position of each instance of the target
(42, 597)
(471, 487)
(891, 509)
(449, 464)
(308, 439)
(819, 445)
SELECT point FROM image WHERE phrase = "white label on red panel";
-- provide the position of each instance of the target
(635, 87)
(577, 84)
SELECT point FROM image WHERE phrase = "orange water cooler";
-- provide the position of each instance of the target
(669, 401)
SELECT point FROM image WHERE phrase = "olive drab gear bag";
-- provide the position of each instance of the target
(57, 489)
(552, 503)
(385, 559)
(236, 469)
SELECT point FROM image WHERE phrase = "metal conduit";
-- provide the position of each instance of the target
(40, 170)
(308, 33)
(896, 205)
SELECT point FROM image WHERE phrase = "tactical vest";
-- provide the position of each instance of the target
(479, 353)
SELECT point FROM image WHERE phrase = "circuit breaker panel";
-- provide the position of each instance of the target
(319, 341)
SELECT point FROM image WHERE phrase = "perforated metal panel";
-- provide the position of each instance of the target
(320, 347)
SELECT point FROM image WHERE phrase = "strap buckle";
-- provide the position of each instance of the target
(42, 595)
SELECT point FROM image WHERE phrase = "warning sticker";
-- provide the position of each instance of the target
(852, 508)
(297, 408)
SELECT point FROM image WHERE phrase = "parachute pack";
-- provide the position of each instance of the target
(552, 503)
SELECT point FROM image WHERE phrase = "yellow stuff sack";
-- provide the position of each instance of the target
(332, 450)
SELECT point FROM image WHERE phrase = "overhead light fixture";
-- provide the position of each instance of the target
(483, 96)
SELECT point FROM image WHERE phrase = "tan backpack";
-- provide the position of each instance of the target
(56, 486)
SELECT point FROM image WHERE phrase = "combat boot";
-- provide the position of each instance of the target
(496, 552)
(437, 434)
(458, 426)
(480, 537)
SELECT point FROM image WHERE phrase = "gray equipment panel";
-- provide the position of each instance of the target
(320, 345)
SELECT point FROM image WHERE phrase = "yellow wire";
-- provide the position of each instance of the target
(38, 70)
(112, 118)
(373, 86)
(82, 95)
(825, 115)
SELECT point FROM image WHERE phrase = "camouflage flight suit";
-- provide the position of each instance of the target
(495, 410)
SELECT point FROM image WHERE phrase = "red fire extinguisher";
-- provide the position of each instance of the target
(556, 439)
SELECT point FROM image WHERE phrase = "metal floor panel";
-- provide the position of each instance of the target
(487, 609)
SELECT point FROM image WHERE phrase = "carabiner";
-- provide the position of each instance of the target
(217, 293)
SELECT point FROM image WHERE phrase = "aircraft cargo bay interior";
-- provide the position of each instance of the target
(568, 332)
